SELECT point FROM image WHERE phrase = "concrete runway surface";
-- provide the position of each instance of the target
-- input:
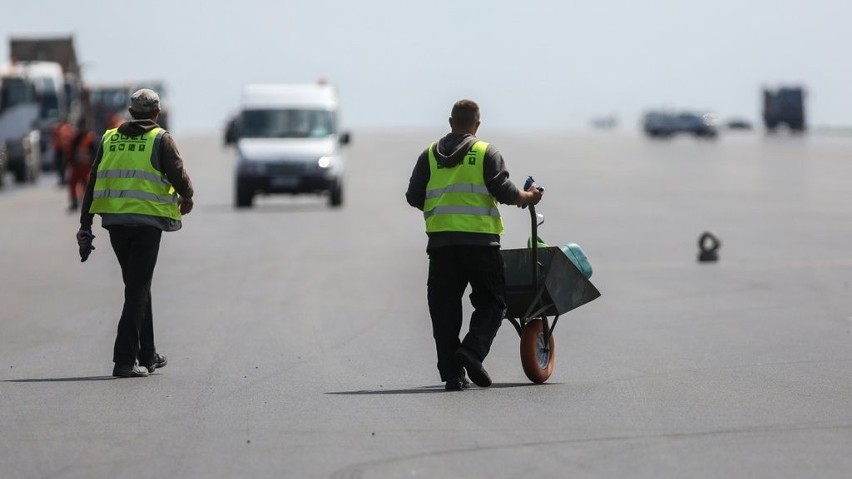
(299, 341)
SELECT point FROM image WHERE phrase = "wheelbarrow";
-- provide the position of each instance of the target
(542, 284)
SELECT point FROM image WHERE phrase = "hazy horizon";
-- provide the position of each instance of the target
(544, 65)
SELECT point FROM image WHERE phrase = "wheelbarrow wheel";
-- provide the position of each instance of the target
(537, 356)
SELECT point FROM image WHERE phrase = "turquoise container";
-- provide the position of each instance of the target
(574, 253)
(577, 256)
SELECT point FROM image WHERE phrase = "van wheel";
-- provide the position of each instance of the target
(335, 197)
(243, 197)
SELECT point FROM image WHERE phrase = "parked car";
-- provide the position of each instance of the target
(288, 141)
(666, 124)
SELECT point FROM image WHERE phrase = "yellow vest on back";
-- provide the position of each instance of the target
(457, 198)
(128, 183)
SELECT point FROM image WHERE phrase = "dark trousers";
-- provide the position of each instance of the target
(451, 269)
(136, 248)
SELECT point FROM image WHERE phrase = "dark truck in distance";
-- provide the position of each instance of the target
(784, 106)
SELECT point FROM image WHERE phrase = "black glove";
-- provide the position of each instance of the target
(84, 241)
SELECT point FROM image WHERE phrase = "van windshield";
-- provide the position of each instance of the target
(15, 91)
(286, 124)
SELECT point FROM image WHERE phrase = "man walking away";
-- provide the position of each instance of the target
(140, 188)
(457, 183)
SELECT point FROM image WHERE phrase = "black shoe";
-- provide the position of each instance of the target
(457, 384)
(474, 368)
(129, 371)
(157, 362)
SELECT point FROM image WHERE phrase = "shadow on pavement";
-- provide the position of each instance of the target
(426, 389)
(59, 380)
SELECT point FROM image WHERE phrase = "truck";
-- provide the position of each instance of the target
(106, 104)
(288, 140)
(50, 62)
(784, 106)
(20, 139)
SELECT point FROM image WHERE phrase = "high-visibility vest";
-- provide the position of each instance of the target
(457, 198)
(127, 181)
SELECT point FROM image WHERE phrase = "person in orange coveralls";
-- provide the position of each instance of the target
(81, 155)
(61, 138)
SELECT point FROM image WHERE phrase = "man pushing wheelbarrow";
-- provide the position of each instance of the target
(457, 183)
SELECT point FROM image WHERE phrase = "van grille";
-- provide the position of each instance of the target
(286, 169)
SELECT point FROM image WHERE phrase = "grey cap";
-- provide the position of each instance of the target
(144, 101)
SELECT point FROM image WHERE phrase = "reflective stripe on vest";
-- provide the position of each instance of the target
(128, 181)
(457, 198)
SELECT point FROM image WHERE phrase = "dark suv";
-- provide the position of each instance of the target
(666, 124)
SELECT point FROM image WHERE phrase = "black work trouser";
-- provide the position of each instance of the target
(451, 269)
(136, 248)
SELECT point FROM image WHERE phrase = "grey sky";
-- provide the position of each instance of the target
(533, 64)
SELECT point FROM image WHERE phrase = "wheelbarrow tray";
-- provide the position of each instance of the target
(565, 288)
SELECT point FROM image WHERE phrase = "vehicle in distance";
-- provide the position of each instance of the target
(19, 115)
(784, 106)
(108, 106)
(287, 141)
(738, 124)
(657, 124)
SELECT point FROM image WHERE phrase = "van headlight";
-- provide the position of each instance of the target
(324, 162)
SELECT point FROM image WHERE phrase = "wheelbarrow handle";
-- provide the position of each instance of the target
(528, 184)
(534, 223)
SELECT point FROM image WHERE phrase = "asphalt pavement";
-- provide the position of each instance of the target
(299, 340)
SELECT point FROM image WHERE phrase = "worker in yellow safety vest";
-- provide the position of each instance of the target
(457, 182)
(140, 188)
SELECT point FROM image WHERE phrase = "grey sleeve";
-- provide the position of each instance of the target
(173, 167)
(497, 177)
(416, 193)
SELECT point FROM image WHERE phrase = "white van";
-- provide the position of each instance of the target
(288, 141)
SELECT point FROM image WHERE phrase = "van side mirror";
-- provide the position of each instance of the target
(232, 131)
(345, 138)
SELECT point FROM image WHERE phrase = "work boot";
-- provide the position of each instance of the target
(458, 383)
(129, 371)
(157, 362)
(474, 368)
